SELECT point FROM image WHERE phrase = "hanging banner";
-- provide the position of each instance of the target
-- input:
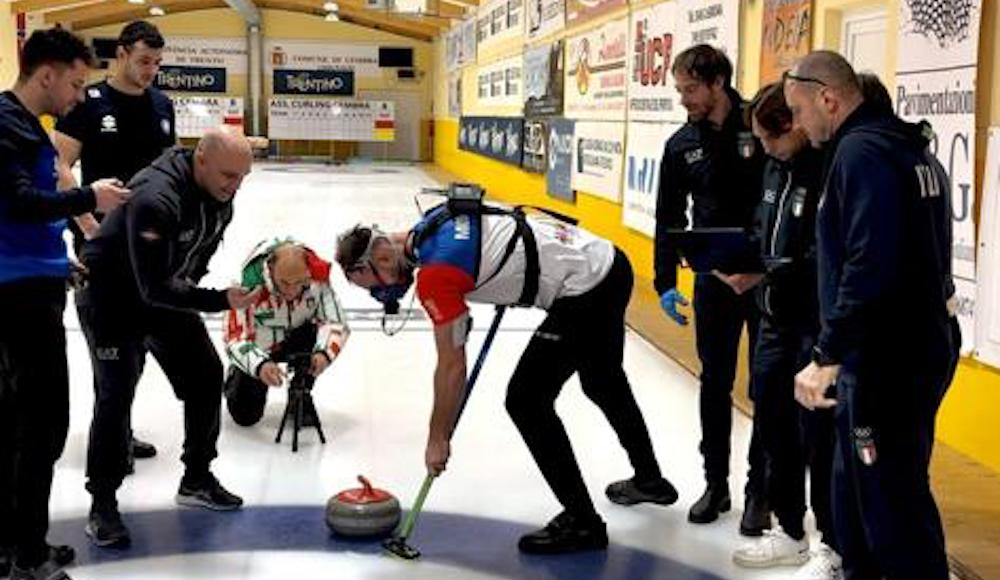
(988, 278)
(559, 177)
(937, 56)
(499, 84)
(191, 79)
(785, 38)
(595, 79)
(598, 150)
(714, 22)
(226, 53)
(643, 153)
(452, 47)
(580, 11)
(543, 80)
(314, 82)
(545, 17)
(307, 55)
(651, 93)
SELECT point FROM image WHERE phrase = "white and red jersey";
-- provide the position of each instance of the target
(252, 334)
(463, 260)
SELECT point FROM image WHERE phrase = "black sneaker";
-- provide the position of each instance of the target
(714, 501)
(631, 492)
(756, 517)
(207, 492)
(566, 533)
(141, 449)
(48, 570)
(62, 555)
(105, 527)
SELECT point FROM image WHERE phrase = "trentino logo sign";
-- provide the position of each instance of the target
(191, 79)
(314, 82)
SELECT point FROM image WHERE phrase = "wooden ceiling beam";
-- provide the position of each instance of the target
(135, 12)
(356, 14)
(36, 5)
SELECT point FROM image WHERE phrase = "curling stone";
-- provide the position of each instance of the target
(363, 512)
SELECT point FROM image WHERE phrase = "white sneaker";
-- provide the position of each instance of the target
(825, 564)
(773, 548)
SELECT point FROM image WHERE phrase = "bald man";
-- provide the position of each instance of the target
(886, 343)
(297, 312)
(145, 263)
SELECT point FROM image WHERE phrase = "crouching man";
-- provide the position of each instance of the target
(297, 312)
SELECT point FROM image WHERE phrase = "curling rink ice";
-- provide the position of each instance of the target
(374, 403)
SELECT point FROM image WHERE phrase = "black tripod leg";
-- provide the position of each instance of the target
(284, 419)
(315, 414)
(298, 423)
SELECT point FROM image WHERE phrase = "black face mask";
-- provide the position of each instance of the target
(390, 294)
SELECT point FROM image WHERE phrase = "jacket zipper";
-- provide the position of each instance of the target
(774, 238)
(194, 247)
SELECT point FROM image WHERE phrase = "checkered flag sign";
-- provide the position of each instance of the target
(945, 21)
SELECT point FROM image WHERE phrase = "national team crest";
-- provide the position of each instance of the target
(864, 444)
(745, 144)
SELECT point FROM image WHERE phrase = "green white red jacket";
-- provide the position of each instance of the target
(252, 334)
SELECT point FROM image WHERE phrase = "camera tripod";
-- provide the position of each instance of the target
(300, 407)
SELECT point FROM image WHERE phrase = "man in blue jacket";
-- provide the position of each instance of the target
(34, 382)
(883, 254)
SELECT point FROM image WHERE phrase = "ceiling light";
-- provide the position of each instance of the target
(156, 11)
(331, 17)
(136, 1)
(331, 7)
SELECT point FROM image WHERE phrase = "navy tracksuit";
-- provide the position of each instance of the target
(883, 253)
(792, 437)
(719, 170)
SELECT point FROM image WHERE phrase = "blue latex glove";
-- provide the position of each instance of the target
(669, 301)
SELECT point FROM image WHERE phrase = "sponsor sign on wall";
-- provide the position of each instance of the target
(598, 153)
(191, 79)
(494, 137)
(651, 93)
(536, 145)
(314, 82)
(543, 80)
(643, 153)
(579, 11)
(936, 80)
(596, 73)
(786, 32)
(306, 55)
(715, 22)
(500, 83)
(559, 177)
(545, 17)
(187, 51)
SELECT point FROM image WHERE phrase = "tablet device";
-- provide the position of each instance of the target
(728, 250)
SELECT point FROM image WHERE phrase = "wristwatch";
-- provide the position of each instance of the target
(821, 358)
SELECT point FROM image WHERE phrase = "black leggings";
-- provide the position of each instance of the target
(584, 334)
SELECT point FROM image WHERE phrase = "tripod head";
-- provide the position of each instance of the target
(299, 364)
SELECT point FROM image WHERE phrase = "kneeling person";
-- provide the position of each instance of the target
(297, 313)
